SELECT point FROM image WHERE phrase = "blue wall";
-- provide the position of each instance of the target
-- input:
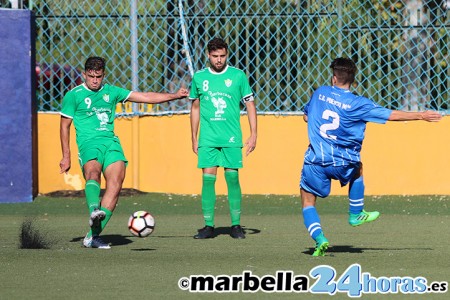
(18, 129)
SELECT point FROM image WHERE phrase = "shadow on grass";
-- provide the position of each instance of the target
(227, 231)
(351, 249)
(113, 239)
(143, 249)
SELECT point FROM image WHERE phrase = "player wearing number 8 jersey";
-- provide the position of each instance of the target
(217, 92)
(91, 107)
(336, 124)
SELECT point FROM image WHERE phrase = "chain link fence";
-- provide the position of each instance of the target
(285, 47)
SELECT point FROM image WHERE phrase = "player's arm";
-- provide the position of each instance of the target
(429, 116)
(153, 97)
(305, 118)
(195, 121)
(64, 134)
(252, 120)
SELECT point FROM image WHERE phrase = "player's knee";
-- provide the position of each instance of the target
(232, 177)
(308, 199)
(92, 175)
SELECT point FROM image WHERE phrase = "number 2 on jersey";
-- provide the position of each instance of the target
(326, 115)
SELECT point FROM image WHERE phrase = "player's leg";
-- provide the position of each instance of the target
(232, 161)
(234, 201)
(114, 177)
(314, 182)
(357, 214)
(312, 223)
(209, 194)
(356, 192)
(208, 161)
(92, 172)
(208, 202)
(114, 168)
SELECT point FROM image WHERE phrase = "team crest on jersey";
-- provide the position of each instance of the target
(228, 82)
(106, 98)
(220, 105)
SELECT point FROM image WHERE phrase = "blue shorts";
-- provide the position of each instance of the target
(317, 179)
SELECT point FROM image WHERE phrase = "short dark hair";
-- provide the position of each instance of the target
(344, 69)
(95, 63)
(216, 44)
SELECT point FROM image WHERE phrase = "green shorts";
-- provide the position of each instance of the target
(227, 157)
(105, 151)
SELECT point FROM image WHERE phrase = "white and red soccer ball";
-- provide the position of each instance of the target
(141, 223)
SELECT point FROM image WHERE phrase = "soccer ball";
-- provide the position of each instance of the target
(141, 223)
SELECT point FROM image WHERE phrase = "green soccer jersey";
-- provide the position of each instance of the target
(220, 95)
(93, 112)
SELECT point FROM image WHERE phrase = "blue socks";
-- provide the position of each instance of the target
(312, 221)
(356, 196)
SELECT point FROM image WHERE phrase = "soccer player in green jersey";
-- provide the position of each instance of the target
(216, 93)
(91, 106)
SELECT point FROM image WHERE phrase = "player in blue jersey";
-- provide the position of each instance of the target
(336, 124)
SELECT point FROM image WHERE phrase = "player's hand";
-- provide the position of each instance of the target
(431, 116)
(64, 165)
(250, 144)
(195, 146)
(182, 93)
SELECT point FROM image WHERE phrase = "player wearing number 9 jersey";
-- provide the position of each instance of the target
(91, 106)
(336, 125)
(93, 112)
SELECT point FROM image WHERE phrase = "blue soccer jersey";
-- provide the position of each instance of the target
(336, 124)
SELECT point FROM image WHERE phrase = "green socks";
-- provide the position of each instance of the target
(234, 196)
(108, 215)
(97, 230)
(92, 191)
(208, 198)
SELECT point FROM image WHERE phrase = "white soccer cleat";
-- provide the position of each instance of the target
(95, 242)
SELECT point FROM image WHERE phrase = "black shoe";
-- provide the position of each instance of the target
(237, 232)
(206, 232)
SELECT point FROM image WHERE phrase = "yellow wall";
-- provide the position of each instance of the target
(399, 157)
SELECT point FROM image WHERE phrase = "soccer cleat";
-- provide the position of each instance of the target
(362, 217)
(95, 242)
(321, 245)
(206, 232)
(237, 232)
(96, 217)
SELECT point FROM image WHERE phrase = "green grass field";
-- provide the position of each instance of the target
(411, 238)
